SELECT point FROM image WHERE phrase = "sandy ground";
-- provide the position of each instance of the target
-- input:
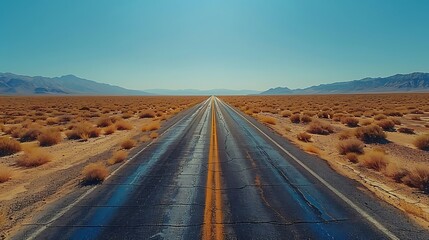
(32, 188)
(400, 150)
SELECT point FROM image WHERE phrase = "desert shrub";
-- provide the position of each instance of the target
(346, 134)
(128, 144)
(312, 149)
(324, 114)
(286, 113)
(370, 134)
(127, 115)
(104, 122)
(147, 114)
(306, 119)
(268, 120)
(396, 173)
(109, 130)
(17, 132)
(151, 126)
(153, 135)
(396, 121)
(49, 137)
(387, 125)
(350, 145)
(418, 178)
(118, 157)
(406, 130)
(321, 128)
(52, 120)
(29, 135)
(9, 146)
(352, 157)
(374, 160)
(83, 130)
(295, 118)
(350, 121)
(366, 122)
(393, 113)
(305, 137)
(416, 111)
(380, 117)
(65, 118)
(422, 142)
(145, 138)
(123, 125)
(33, 157)
(94, 173)
(337, 117)
(5, 174)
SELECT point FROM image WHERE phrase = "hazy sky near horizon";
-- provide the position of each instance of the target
(235, 44)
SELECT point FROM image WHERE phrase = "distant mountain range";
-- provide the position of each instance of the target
(12, 84)
(188, 92)
(413, 82)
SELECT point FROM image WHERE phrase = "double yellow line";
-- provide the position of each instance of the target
(213, 203)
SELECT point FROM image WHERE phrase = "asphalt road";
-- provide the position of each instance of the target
(217, 174)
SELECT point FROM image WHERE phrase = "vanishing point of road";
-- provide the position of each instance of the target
(214, 173)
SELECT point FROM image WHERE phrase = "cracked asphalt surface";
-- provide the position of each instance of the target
(214, 175)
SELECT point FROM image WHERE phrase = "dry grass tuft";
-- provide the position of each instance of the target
(350, 121)
(145, 138)
(153, 135)
(9, 146)
(109, 130)
(305, 137)
(395, 172)
(370, 134)
(104, 122)
(306, 119)
(406, 130)
(268, 120)
(321, 128)
(374, 160)
(128, 144)
(118, 157)
(94, 173)
(418, 178)
(350, 146)
(366, 122)
(123, 125)
(5, 174)
(151, 126)
(387, 125)
(345, 134)
(380, 117)
(286, 113)
(49, 137)
(422, 142)
(33, 157)
(352, 157)
(312, 149)
(147, 114)
(295, 118)
(83, 130)
(29, 134)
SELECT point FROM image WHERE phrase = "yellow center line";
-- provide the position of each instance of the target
(213, 186)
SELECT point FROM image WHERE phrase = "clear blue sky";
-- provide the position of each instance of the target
(214, 44)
